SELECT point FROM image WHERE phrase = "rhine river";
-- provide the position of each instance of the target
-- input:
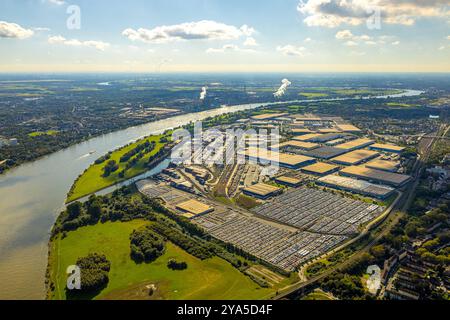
(32, 195)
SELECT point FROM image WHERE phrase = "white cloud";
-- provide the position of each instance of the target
(290, 50)
(307, 40)
(448, 38)
(348, 35)
(99, 45)
(354, 40)
(250, 42)
(13, 30)
(333, 13)
(201, 30)
(344, 34)
(351, 43)
(229, 48)
(43, 29)
(57, 2)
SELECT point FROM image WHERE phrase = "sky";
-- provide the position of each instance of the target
(225, 36)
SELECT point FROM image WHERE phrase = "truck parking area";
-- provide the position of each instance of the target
(283, 248)
(319, 211)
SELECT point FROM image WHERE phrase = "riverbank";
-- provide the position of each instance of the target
(93, 178)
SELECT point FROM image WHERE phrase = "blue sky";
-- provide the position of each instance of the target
(219, 35)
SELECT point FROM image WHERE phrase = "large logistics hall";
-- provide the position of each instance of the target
(283, 159)
(325, 152)
(193, 208)
(262, 191)
(320, 169)
(355, 144)
(386, 148)
(384, 177)
(385, 165)
(295, 144)
(357, 186)
(355, 157)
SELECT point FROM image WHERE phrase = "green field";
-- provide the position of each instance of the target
(41, 133)
(402, 105)
(92, 180)
(312, 95)
(209, 279)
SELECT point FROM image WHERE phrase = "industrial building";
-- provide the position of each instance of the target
(200, 174)
(379, 176)
(324, 137)
(194, 208)
(328, 130)
(335, 142)
(295, 144)
(288, 181)
(309, 137)
(301, 131)
(385, 165)
(283, 159)
(386, 148)
(348, 128)
(268, 116)
(325, 152)
(182, 185)
(262, 191)
(320, 169)
(355, 157)
(355, 144)
(357, 186)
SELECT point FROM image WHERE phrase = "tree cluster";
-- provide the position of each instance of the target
(146, 245)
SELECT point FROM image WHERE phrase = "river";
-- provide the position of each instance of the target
(32, 195)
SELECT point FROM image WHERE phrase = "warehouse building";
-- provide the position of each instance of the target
(311, 137)
(290, 161)
(378, 176)
(355, 157)
(262, 191)
(385, 165)
(348, 128)
(356, 186)
(335, 142)
(324, 137)
(387, 148)
(200, 174)
(320, 169)
(355, 144)
(328, 130)
(295, 144)
(288, 181)
(325, 152)
(193, 208)
(300, 131)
